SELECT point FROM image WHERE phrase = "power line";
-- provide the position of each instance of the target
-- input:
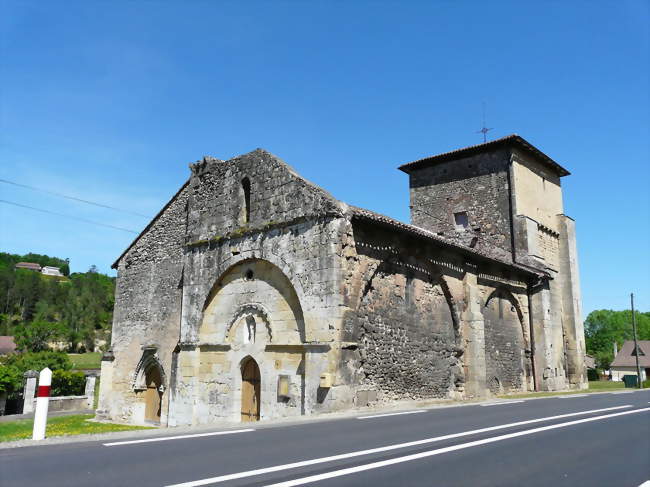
(69, 216)
(74, 198)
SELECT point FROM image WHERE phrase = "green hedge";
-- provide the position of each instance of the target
(67, 383)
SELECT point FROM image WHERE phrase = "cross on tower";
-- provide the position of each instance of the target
(484, 130)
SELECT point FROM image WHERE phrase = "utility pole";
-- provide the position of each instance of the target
(636, 345)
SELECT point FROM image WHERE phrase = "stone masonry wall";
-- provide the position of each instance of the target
(403, 318)
(477, 185)
(277, 194)
(507, 363)
(147, 309)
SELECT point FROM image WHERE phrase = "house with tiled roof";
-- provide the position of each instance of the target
(30, 266)
(625, 361)
(7, 345)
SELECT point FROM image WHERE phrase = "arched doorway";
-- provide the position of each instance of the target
(250, 391)
(153, 394)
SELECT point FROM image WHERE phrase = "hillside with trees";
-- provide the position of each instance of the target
(605, 327)
(38, 309)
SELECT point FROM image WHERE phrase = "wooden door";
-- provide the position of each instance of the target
(250, 391)
(153, 395)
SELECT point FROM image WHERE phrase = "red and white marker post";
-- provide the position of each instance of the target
(42, 404)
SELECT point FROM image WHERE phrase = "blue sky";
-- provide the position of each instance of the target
(110, 101)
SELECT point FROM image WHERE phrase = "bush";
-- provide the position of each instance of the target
(646, 384)
(37, 361)
(11, 379)
(593, 374)
(67, 383)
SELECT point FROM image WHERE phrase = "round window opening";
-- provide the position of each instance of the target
(249, 275)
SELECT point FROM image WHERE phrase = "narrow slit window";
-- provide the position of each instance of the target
(246, 210)
(461, 220)
(408, 290)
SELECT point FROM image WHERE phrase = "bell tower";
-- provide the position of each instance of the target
(503, 198)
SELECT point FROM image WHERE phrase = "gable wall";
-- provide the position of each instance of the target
(277, 195)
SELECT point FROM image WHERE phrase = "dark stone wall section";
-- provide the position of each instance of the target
(477, 185)
(504, 345)
(403, 322)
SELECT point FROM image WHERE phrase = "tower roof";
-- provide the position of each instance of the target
(512, 140)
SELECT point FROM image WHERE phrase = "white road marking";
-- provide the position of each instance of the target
(647, 482)
(570, 396)
(180, 437)
(392, 414)
(499, 403)
(315, 461)
(622, 392)
(430, 453)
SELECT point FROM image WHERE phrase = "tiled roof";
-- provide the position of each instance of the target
(421, 232)
(7, 345)
(624, 358)
(28, 265)
(509, 140)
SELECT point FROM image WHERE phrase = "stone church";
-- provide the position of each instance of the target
(254, 294)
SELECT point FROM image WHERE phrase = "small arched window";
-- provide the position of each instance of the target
(245, 210)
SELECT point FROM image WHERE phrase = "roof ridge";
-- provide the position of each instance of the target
(456, 153)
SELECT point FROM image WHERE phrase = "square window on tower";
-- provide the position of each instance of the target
(461, 221)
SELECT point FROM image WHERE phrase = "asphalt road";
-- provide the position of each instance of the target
(595, 440)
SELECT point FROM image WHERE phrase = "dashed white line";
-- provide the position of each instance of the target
(180, 437)
(343, 456)
(622, 392)
(499, 403)
(570, 396)
(392, 414)
(417, 456)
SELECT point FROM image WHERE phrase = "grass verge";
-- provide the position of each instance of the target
(605, 385)
(77, 424)
(85, 361)
(594, 386)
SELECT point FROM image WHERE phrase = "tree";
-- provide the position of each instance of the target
(605, 327)
(35, 337)
(82, 304)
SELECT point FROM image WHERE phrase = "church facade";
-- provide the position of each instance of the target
(254, 294)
